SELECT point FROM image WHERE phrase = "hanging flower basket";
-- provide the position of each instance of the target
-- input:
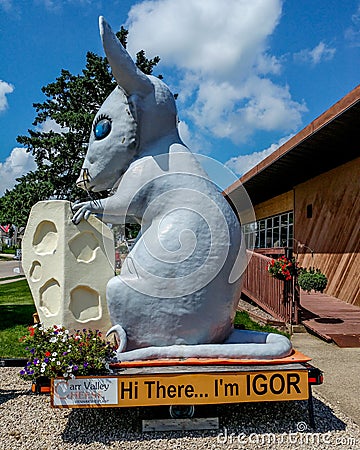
(283, 268)
(312, 279)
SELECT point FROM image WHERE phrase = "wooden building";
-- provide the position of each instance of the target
(306, 196)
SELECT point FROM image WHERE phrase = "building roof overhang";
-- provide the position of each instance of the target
(327, 142)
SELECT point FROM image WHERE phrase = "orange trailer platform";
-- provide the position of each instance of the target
(185, 383)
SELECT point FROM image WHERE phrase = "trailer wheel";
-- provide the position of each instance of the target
(181, 411)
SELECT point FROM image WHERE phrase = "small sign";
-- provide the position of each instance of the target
(181, 389)
(5, 228)
(84, 392)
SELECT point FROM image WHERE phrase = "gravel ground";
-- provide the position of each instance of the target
(246, 306)
(28, 422)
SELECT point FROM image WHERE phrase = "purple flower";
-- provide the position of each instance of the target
(75, 368)
(32, 351)
(36, 361)
(46, 360)
(65, 353)
(86, 364)
(22, 372)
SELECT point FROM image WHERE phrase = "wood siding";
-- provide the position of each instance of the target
(333, 230)
(276, 205)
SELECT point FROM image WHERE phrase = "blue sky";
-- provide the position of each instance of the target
(250, 74)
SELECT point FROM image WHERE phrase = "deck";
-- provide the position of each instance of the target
(331, 319)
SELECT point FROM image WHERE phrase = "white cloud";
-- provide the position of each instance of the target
(352, 34)
(314, 56)
(234, 113)
(17, 164)
(208, 37)
(5, 88)
(220, 51)
(243, 163)
(20, 161)
(51, 125)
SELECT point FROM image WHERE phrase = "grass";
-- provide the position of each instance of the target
(242, 318)
(17, 292)
(9, 251)
(16, 310)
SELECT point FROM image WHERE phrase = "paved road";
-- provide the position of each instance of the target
(7, 268)
(341, 367)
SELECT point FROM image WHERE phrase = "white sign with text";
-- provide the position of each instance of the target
(85, 391)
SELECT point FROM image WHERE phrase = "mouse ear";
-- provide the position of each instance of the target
(125, 72)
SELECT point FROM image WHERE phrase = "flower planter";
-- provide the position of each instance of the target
(312, 279)
(57, 353)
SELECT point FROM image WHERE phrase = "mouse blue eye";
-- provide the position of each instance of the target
(102, 128)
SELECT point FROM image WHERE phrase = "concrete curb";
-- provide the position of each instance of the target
(12, 280)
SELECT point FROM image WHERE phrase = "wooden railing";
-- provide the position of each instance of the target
(278, 298)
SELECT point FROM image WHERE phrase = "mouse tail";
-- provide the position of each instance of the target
(121, 337)
(240, 345)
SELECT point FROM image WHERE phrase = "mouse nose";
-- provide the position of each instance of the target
(83, 181)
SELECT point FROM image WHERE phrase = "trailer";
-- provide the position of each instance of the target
(184, 384)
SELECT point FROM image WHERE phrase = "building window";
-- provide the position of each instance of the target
(274, 231)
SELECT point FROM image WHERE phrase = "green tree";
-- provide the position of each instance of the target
(16, 203)
(71, 102)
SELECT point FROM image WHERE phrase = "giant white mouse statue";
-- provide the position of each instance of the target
(178, 289)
